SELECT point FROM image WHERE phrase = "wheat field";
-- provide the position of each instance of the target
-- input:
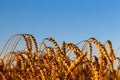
(92, 61)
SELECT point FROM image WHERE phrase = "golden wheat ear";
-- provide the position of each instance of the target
(53, 62)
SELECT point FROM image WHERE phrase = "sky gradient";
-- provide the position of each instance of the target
(64, 20)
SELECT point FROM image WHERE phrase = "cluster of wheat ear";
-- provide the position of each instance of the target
(52, 62)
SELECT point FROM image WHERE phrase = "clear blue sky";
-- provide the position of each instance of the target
(64, 20)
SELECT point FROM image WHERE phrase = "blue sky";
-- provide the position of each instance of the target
(64, 20)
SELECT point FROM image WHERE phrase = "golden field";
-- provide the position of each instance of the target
(52, 62)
